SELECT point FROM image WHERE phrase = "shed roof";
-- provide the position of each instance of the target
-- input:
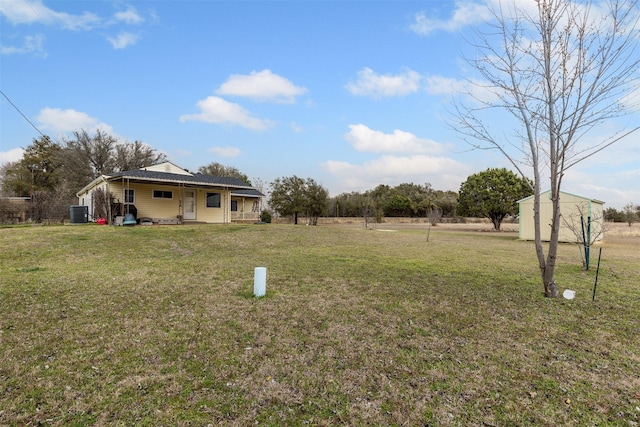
(564, 192)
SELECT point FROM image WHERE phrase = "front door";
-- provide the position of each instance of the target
(189, 204)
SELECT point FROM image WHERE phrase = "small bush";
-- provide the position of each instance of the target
(265, 216)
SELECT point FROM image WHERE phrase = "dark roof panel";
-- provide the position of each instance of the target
(178, 178)
(248, 192)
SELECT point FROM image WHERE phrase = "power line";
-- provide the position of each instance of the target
(22, 114)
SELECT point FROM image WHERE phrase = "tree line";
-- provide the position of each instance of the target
(492, 194)
(294, 196)
(629, 213)
(50, 173)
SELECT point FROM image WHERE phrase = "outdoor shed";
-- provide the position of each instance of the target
(572, 208)
(166, 193)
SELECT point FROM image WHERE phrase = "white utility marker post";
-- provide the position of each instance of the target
(260, 281)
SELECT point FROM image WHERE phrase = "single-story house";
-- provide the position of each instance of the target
(572, 207)
(167, 193)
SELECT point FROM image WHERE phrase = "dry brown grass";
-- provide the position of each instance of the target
(158, 326)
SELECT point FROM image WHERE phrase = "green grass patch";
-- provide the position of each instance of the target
(159, 326)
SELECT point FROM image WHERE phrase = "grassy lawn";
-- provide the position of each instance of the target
(158, 326)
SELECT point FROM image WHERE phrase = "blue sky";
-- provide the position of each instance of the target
(350, 93)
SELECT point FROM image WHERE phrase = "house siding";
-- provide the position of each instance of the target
(570, 208)
(248, 208)
(151, 207)
(170, 208)
(87, 199)
(167, 167)
(144, 202)
(213, 215)
(168, 177)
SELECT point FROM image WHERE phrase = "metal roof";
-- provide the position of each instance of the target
(563, 192)
(247, 193)
(236, 185)
(195, 179)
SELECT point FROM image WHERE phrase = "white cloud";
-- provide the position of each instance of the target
(422, 163)
(13, 155)
(376, 85)
(612, 187)
(468, 13)
(63, 121)
(364, 139)
(226, 151)
(261, 86)
(218, 111)
(129, 16)
(35, 12)
(631, 101)
(123, 40)
(30, 12)
(296, 127)
(442, 172)
(473, 90)
(465, 13)
(439, 85)
(32, 44)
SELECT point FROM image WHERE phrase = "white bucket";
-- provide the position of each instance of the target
(260, 281)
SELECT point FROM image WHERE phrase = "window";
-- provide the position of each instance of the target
(129, 196)
(161, 194)
(213, 200)
(234, 206)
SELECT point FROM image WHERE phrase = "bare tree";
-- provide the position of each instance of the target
(630, 213)
(104, 204)
(579, 222)
(91, 155)
(136, 155)
(86, 156)
(560, 69)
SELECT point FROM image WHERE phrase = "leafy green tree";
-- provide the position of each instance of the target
(52, 173)
(405, 199)
(291, 196)
(399, 206)
(39, 170)
(614, 215)
(287, 196)
(316, 200)
(217, 169)
(380, 197)
(16, 180)
(420, 198)
(492, 194)
(446, 201)
(352, 204)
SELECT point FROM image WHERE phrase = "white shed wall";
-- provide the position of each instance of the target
(571, 207)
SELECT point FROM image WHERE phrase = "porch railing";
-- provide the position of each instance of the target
(245, 216)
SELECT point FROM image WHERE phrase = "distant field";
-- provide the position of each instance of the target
(157, 325)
